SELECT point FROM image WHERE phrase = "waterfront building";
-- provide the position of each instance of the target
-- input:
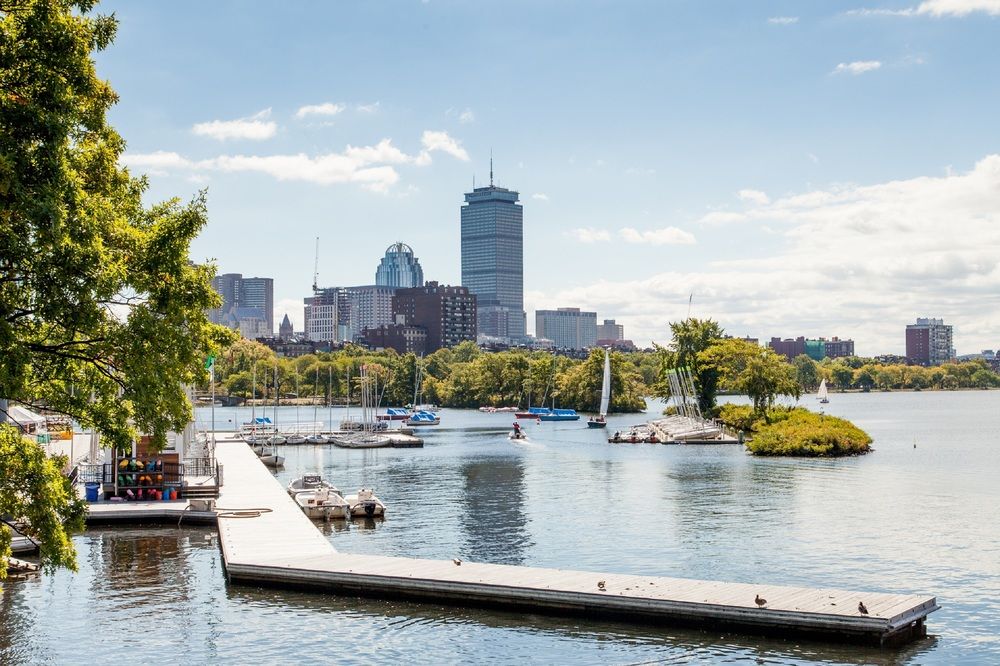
(568, 328)
(815, 348)
(240, 292)
(399, 268)
(929, 342)
(610, 331)
(493, 259)
(447, 313)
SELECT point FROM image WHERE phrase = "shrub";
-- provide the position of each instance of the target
(805, 433)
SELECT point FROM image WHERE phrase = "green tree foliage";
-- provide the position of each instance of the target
(796, 431)
(581, 384)
(806, 371)
(36, 496)
(690, 338)
(747, 368)
(102, 316)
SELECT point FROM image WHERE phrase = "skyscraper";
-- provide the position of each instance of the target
(493, 259)
(239, 296)
(399, 268)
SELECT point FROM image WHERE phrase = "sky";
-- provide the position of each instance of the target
(784, 168)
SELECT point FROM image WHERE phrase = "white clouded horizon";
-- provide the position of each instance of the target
(540, 196)
(857, 67)
(324, 109)
(372, 167)
(590, 235)
(937, 9)
(855, 261)
(783, 20)
(664, 236)
(255, 128)
(753, 196)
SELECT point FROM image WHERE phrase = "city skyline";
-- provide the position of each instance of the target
(796, 168)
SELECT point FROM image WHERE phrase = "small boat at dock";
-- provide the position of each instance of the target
(423, 419)
(365, 505)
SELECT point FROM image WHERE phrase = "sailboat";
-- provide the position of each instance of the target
(600, 421)
(420, 414)
(316, 437)
(822, 394)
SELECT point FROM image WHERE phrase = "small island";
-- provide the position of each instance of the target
(796, 431)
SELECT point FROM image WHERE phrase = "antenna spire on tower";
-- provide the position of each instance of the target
(491, 167)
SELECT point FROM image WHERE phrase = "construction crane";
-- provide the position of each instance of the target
(316, 268)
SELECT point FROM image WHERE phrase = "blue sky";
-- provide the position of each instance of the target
(802, 168)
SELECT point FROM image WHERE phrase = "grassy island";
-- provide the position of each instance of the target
(797, 431)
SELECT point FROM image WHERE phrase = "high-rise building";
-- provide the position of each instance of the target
(239, 295)
(399, 268)
(448, 313)
(610, 331)
(929, 342)
(326, 314)
(370, 306)
(568, 328)
(493, 259)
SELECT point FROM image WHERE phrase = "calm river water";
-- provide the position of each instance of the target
(921, 514)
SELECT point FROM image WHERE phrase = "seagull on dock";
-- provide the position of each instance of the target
(862, 608)
(760, 601)
(600, 585)
(457, 562)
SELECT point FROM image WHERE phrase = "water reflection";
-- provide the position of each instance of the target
(493, 520)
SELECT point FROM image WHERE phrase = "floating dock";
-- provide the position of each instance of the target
(267, 540)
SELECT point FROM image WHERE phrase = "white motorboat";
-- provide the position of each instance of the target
(307, 482)
(365, 504)
(317, 438)
(322, 503)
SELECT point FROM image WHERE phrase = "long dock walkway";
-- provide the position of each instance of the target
(282, 547)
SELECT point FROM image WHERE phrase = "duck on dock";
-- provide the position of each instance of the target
(862, 608)
(760, 601)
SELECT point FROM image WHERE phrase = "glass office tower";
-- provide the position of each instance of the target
(493, 260)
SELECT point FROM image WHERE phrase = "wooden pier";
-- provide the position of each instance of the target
(267, 540)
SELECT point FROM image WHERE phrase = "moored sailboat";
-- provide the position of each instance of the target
(600, 421)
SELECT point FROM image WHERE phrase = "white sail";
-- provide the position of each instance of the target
(606, 385)
(822, 392)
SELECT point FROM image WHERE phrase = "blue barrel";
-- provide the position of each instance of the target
(92, 489)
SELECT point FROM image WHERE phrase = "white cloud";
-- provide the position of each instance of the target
(753, 196)
(721, 217)
(368, 108)
(540, 196)
(372, 167)
(467, 117)
(857, 261)
(937, 9)
(324, 109)
(857, 67)
(589, 235)
(255, 128)
(664, 236)
(438, 140)
(783, 20)
(812, 158)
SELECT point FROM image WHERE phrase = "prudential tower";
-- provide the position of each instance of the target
(493, 259)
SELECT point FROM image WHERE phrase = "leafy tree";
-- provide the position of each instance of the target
(97, 295)
(42, 502)
(865, 377)
(753, 370)
(983, 378)
(102, 315)
(806, 371)
(842, 375)
(691, 337)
